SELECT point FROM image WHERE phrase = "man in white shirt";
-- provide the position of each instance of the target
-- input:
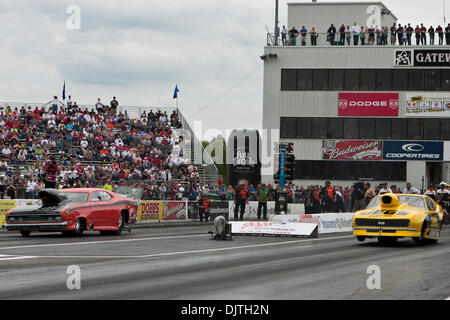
(284, 36)
(384, 188)
(99, 106)
(31, 187)
(410, 189)
(356, 30)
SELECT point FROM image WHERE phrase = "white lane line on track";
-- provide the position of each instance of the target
(99, 242)
(448, 298)
(13, 257)
(134, 240)
(196, 251)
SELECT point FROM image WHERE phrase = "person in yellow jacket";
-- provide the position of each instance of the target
(107, 186)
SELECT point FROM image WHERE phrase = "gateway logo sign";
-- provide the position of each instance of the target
(406, 150)
(403, 58)
(368, 104)
(422, 58)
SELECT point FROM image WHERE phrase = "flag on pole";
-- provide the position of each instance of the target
(175, 93)
(64, 92)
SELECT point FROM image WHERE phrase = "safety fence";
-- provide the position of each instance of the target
(158, 211)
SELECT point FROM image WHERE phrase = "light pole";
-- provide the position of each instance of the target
(277, 29)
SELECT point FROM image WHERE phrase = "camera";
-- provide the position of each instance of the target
(359, 186)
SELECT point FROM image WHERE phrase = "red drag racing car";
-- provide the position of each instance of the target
(72, 211)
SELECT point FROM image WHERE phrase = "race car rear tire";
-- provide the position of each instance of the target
(122, 222)
(25, 234)
(361, 238)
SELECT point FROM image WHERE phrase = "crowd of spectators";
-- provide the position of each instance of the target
(379, 35)
(94, 147)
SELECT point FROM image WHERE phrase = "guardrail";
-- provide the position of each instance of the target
(363, 39)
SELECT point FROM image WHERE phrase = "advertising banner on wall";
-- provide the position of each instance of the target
(5, 206)
(413, 150)
(352, 150)
(175, 210)
(362, 104)
(422, 58)
(150, 211)
(327, 222)
(428, 104)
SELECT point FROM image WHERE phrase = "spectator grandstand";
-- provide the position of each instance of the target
(95, 147)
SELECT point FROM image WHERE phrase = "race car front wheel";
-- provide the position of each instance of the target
(25, 234)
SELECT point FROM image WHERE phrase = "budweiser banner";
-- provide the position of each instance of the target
(352, 150)
(432, 104)
(368, 104)
(175, 210)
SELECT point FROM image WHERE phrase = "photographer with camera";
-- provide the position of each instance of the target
(357, 196)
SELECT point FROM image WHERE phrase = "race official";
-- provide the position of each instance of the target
(204, 208)
(241, 198)
(262, 196)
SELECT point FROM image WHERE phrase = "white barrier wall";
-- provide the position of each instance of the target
(327, 222)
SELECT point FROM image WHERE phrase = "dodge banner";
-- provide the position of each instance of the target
(427, 105)
(352, 150)
(368, 104)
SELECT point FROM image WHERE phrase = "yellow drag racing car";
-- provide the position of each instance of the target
(392, 216)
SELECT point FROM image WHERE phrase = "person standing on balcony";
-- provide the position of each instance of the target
(393, 34)
(293, 34)
(400, 34)
(356, 30)
(409, 31)
(342, 35)
(379, 36)
(371, 31)
(423, 35)
(362, 35)
(303, 34)
(385, 35)
(447, 34)
(348, 35)
(314, 36)
(431, 35)
(440, 33)
(417, 33)
(331, 34)
(284, 36)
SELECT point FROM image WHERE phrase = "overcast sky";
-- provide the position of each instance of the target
(138, 50)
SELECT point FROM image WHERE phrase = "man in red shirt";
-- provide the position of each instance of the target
(51, 170)
(204, 208)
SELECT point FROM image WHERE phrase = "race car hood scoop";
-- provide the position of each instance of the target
(51, 198)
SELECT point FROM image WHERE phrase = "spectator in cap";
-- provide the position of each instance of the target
(384, 188)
